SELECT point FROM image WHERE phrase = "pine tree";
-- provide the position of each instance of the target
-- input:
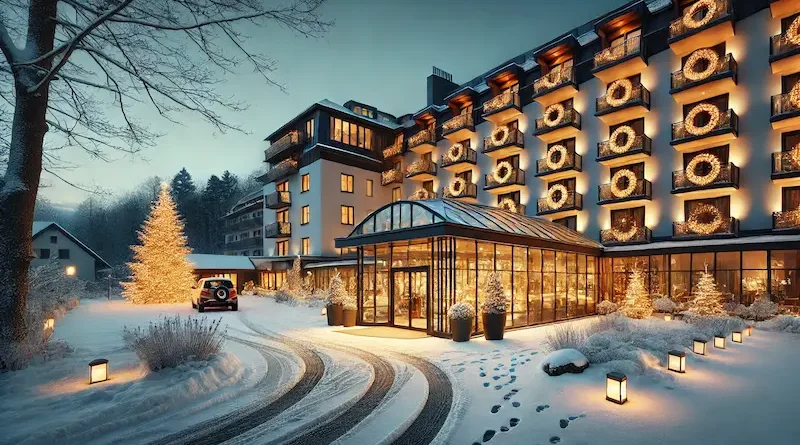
(637, 298)
(495, 301)
(160, 272)
(337, 294)
(707, 298)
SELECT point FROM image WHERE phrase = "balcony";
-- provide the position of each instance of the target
(422, 142)
(459, 158)
(512, 206)
(463, 190)
(786, 220)
(245, 224)
(284, 146)
(718, 128)
(558, 123)
(624, 147)
(784, 54)
(560, 163)
(786, 167)
(556, 86)
(709, 228)
(783, 8)
(285, 168)
(393, 176)
(421, 170)
(394, 150)
(622, 60)
(278, 200)
(459, 127)
(243, 244)
(709, 76)
(503, 142)
(569, 201)
(278, 229)
(704, 24)
(785, 113)
(624, 194)
(422, 195)
(500, 182)
(706, 183)
(624, 101)
(634, 235)
(502, 108)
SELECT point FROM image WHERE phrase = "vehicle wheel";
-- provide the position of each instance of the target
(200, 308)
(235, 307)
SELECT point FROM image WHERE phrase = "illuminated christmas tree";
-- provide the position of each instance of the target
(637, 298)
(707, 298)
(160, 272)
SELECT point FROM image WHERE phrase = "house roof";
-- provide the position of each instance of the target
(202, 261)
(332, 106)
(41, 226)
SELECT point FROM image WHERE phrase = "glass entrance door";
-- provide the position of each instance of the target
(410, 298)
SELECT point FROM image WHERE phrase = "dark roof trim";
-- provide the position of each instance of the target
(463, 91)
(640, 8)
(75, 240)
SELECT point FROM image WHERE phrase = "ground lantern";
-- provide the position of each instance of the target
(677, 361)
(616, 387)
(699, 346)
(98, 370)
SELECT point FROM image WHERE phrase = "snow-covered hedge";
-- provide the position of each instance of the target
(782, 323)
(760, 310)
(665, 305)
(170, 342)
(606, 307)
(461, 311)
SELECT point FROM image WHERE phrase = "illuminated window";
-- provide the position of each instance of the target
(305, 183)
(306, 246)
(283, 186)
(310, 128)
(396, 194)
(347, 215)
(350, 133)
(347, 183)
(282, 216)
(369, 188)
(306, 216)
(282, 248)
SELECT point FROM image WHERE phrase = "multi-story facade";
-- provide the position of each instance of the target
(244, 226)
(668, 131)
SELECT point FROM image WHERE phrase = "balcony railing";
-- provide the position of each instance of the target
(502, 101)
(253, 242)
(679, 28)
(726, 67)
(786, 164)
(614, 149)
(280, 170)
(421, 166)
(571, 117)
(470, 191)
(421, 195)
(288, 141)
(622, 50)
(781, 45)
(633, 235)
(517, 208)
(467, 155)
(244, 224)
(572, 161)
(512, 136)
(553, 80)
(393, 176)
(643, 189)
(278, 200)
(727, 227)
(427, 136)
(396, 149)
(728, 121)
(573, 201)
(639, 94)
(278, 229)
(782, 106)
(457, 123)
(517, 177)
(728, 176)
(788, 219)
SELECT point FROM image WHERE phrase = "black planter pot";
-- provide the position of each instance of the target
(494, 325)
(349, 317)
(334, 312)
(462, 329)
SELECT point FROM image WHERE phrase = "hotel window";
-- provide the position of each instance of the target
(282, 216)
(369, 188)
(396, 194)
(310, 128)
(428, 185)
(348, 215)
(44, 254)
(346, 183)
(306, 246)
(305, 183)
(569, 222)
(625, 36)
(306, 215)
(256, 252)
(282, 248)
(53, 240)
(350, 133)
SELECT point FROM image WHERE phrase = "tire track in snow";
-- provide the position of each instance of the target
(429, 422)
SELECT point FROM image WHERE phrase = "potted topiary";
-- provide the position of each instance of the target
(349, 310)
(494, 309)
(335, 300)
(462, 315)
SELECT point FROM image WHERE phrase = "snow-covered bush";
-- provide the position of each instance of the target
(564, 336)
(317, 298)
(495, 301)
(782, 323)
(349, 303)
(606, 307)
(715, 325)
(763, 309)
(337, 294)
(665, 305)
(742, 311)
(170, 342)
(461, 311)
(249, 288)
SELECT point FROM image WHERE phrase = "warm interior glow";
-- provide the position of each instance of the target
(719, 342)
(50, 323)
(749, 331)
(70, 271)
(99, 373)
(616, 391)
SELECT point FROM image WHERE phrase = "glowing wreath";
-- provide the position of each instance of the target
(553, 203)
(546, 81)
(556, 110)
(502, 173)
(456, 152)
(508, 204)
(421, 194)
(626, 235)
(713, 121)
(794, 94)
(705, 228)
(500, 135)
(712, 60)
(457, 186)
(630, 136)
(710, 9)
(613, 98)
(617, 179)
(795, 155)
(705, 158)
(562, 158)
(793, 32)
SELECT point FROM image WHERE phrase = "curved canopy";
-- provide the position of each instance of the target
(403, 220)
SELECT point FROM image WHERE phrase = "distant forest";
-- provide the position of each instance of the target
(109, 224)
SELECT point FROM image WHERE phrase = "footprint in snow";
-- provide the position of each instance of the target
(483, 374)
(511, 369)
(483, 359)
(460, 370)
(487, 436)
(504, 428)
(485, 384)
(495, 409)
(563, 423)
(496, 377)
(515, 404)
(498, 387)
(555, 439)
(513, 422)
(541, 408)
(534, 353)
(496, 369)
(576, 417)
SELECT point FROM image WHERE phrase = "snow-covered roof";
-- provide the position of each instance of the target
(658, 5)
(203, 261)
(340, 263)
(41, 226)
(760, 239)
(587, 38)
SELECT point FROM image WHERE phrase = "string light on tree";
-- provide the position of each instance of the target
(637, 298)
(707, 299)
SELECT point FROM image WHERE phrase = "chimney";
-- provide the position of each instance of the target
(440, 85)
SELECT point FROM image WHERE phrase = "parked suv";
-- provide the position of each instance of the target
(215, 292)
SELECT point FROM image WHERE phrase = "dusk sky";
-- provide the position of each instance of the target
(379, 52)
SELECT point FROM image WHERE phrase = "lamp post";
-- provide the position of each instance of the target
(616, 387)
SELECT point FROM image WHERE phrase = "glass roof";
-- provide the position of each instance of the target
(409, 214)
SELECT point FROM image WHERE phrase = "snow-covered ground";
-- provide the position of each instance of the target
(743, 394)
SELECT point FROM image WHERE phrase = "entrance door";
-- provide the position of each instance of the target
(410, 298)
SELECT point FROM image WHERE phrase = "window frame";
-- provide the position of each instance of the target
(347, 219)
(305, 215)
(282, 248)
(346, 183)
(305, 182)
(305, 246)
(370, 184)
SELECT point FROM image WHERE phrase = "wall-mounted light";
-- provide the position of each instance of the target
(49, 324)
(616, 387)
(736, 336)
(677, 361)
(699, 346)
(719, 342)
(98, 370)
(70, 271)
